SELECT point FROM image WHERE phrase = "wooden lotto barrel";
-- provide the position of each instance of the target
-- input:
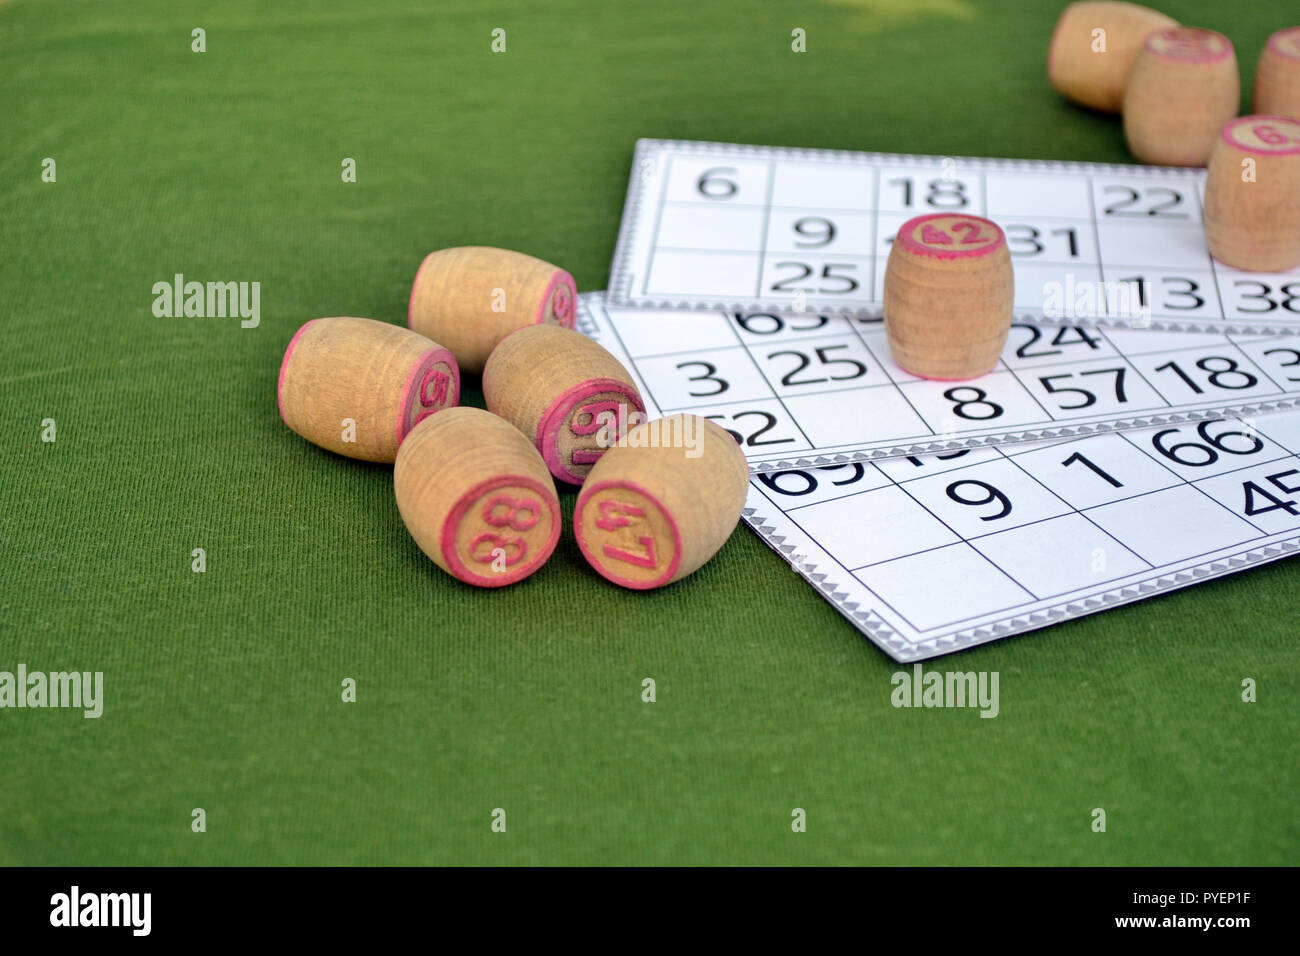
(1183, 88)
(1277, 77)
(1093, 47)
(949, 295)
(357, 387)
(565, 392)
(1252, 194)
(471, 297)
(476, 497)
(661, 503)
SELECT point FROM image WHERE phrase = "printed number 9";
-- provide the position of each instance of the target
(991, 495)
(820, 235)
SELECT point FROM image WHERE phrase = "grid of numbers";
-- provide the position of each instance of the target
(814, 388)
(764, 229)
(976, 545)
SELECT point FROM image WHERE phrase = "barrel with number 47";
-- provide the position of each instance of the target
(662, 502)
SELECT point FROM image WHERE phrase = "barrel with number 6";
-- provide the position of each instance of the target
(1252, 194)
(477, 497)
(565, 392)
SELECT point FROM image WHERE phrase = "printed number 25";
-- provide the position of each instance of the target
(803, 271)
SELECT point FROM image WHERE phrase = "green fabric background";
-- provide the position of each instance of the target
(222, 689)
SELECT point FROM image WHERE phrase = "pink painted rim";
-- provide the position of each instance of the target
(932, 378)
(548, 429)
(284, 365)
(559, 278)
(911, 245)
(415, 380)
(1207, 58)
(415, 283)
(1275, 43)
(1230, 126)
(676, 562)
(1051, 47)
(447, 539)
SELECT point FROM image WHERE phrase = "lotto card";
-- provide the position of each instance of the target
(929, 555)
(808, 389)
(759, 229)
(932, 553)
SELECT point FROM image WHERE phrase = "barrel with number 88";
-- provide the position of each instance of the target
(477, 497)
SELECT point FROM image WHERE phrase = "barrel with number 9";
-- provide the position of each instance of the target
(477, 497)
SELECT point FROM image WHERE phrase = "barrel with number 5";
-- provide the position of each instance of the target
(1252, 194)
(949, 290)
(477, 497)
(570, 396)
(661, 503)
(357, 386)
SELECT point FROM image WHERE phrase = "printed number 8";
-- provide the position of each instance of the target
(981, 398)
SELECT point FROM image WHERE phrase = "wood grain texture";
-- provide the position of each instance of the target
(380, 378)
(1183, 87)
(1092, 77)
(1252, 194)
(949, 292)
(559, 388)
(1277, 77)
(659, 505)
(476, 497)
(471, 297)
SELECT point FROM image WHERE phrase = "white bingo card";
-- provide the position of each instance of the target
(931, 555)
(814, 389)
(722, 226)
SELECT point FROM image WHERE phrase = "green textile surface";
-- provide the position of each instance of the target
(222, 689)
